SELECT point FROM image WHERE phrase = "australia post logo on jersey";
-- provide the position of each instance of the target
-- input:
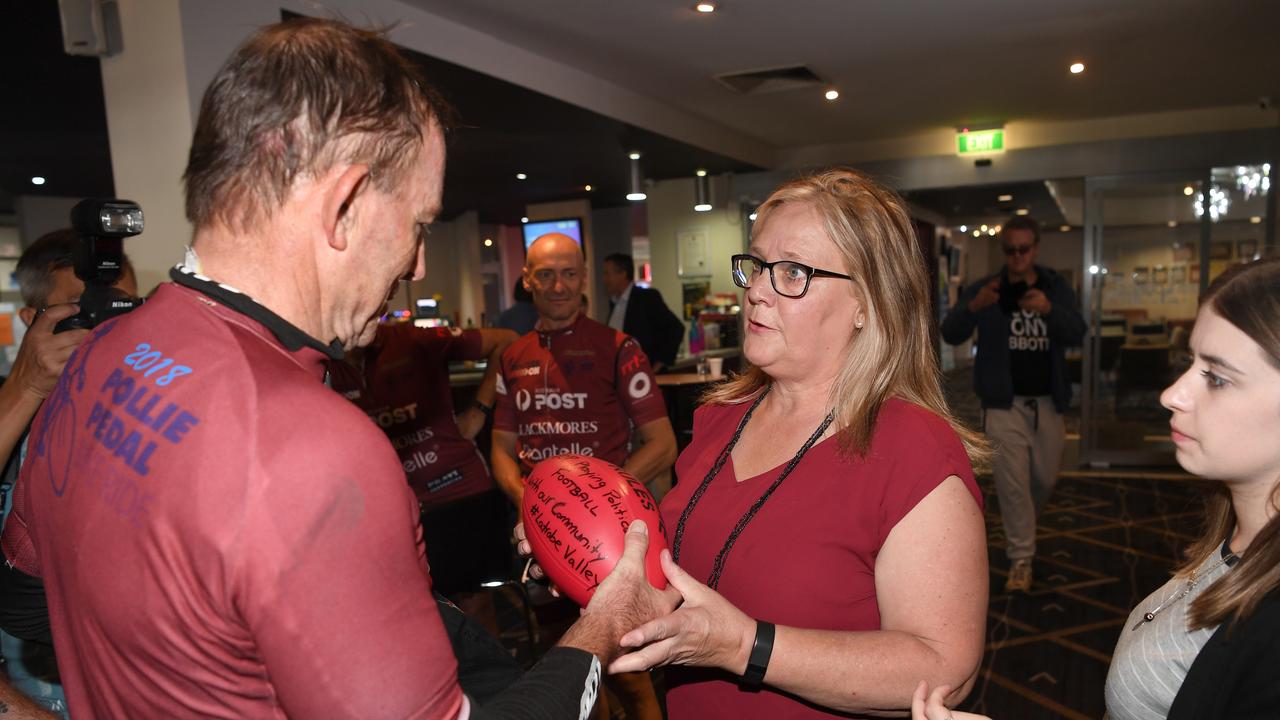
(1028, 331)
(549, 399)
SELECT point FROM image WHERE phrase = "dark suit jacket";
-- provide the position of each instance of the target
(653, 325)
(1236, 675)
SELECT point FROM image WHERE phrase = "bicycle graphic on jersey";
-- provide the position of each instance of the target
(59, 424)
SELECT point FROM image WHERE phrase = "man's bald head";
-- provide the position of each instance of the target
(555, 273)
(554, 245)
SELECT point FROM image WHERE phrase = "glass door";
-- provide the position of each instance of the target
(1151, 245)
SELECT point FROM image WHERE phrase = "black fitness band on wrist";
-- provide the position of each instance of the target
(758, 663)
(486, 409)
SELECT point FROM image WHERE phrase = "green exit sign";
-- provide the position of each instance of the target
(980, 141)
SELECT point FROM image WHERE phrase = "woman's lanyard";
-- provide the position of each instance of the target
(718, 566)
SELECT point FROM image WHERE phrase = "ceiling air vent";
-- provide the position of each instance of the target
(752, 82)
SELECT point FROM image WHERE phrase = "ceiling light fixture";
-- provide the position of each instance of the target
(1064, 228)
(1005, 198)
(832, 94)
(587, 188)
(702, 192)
(636, 189)
(976, 233)
(488, 242)
(964, 228)
(521, 176)
(1077, 68)
(752, 217)
(37, 180)
(1188, 190)
(1021, 211)
(1172, 223)
(983, 228)
(1256, 219)
(524, 220)
(705, 7)
(991, 232)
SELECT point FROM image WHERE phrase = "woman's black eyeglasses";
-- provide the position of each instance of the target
(789, 279)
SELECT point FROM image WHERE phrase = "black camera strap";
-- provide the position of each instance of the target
(289, 335)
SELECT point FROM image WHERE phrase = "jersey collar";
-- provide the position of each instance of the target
(289, 335)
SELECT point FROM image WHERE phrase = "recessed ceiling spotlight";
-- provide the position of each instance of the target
(976, 233)
(705, 7)
(996, 228)
(1077, 68)
(1021, 211)
(1005, 198)
(1188, 190)
(1065, 228)
(588, 188)
(634, 155)
(701, 173)
(992, 232)
(37, 180)
(831, 94)
(524, 220)
(1256, 219)
(964, 228)
(1172, 223)
(488, 242)
(983, 228)
(521, 176)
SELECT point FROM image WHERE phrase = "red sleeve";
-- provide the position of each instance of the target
(640, 393)
(504, 409)
(464, 344)
(919, 450)
(449, 343)
(18, 548)
(331, 580)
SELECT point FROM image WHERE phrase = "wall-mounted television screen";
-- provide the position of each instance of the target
(567, 226)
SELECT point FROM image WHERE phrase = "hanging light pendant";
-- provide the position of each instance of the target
(636, 188)
(702, 192)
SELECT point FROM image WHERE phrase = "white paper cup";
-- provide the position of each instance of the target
(716, 365)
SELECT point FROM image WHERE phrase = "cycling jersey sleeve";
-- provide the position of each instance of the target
(564, 684)
(636, 385)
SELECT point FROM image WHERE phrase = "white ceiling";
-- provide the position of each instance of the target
(907, 66)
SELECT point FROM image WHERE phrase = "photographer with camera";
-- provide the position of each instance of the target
(1026, 316)
(220, 534)
(46, 275)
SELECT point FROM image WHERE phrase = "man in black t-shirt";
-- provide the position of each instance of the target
(1026, 315)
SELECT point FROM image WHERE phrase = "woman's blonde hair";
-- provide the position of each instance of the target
(893, 354)
(1247, 296)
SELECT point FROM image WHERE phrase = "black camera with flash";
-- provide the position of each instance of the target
(98, 259)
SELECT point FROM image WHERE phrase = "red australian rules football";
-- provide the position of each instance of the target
(576, 512)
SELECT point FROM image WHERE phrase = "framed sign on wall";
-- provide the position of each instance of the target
(691, 253)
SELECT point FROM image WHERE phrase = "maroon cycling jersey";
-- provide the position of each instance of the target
(220, 535)
(575, 390)
(405, 390)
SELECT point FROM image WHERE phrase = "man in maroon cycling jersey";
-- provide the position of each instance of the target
(219, 533)
(574, 385)
(401, 381)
